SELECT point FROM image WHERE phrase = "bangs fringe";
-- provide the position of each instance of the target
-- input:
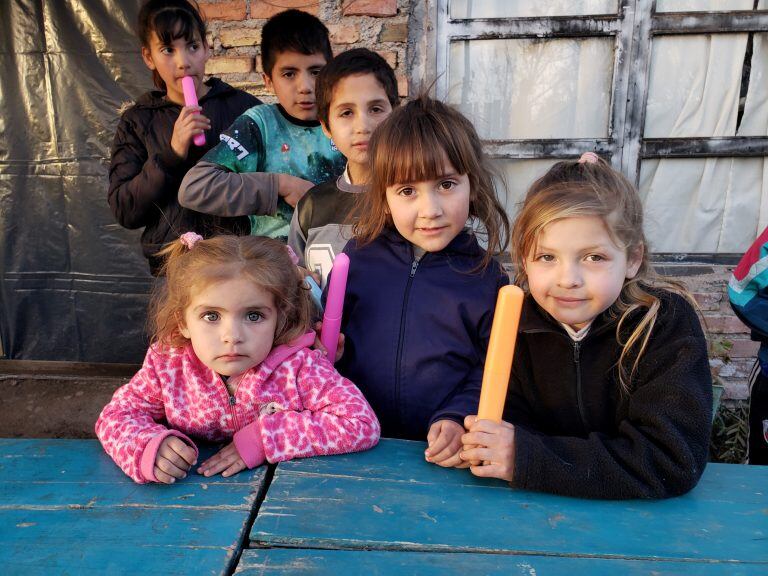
(173, 23)
(418, 153)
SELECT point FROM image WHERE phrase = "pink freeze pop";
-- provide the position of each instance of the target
(334, 305)
(190, 99)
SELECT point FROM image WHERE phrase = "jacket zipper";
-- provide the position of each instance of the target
(231, 402)
(398, 358)
(577, 361)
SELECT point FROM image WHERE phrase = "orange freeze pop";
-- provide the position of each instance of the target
(501, 349)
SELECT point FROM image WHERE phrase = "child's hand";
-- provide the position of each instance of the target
(227, 461)
(173, 460)
(444, 439)
(292, 188)
(319, 345)
(491, 443)
(189, 124)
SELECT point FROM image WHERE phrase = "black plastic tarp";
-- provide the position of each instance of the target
(74, 283)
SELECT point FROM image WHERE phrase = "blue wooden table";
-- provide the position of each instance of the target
(65, 508)
(387, 511)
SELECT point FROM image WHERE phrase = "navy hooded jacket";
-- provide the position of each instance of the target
(417, 330)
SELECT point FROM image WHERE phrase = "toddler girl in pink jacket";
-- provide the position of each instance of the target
(230, 361)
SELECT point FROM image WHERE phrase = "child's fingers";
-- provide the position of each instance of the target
(163, 477)
(170, 468)
(477, 438)
(234, 468)
(451, 461)
(476, 454)
(469, 421)
(487, 471)
(183, 449)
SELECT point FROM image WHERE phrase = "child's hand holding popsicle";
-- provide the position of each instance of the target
(490, 440)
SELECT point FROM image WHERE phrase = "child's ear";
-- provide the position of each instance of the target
(634, 259)
(147, 57)
(326, 130)
(267, 81)
(183, 330)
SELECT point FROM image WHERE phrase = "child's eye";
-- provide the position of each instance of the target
(289, 75)
(545, 258)
(254, 316)
(345, 113)
(194, 46)
(377, 109)
(447, 184)
(595, 258)
(315, 71)
(407, 192)
(210, 316)
(166, 50)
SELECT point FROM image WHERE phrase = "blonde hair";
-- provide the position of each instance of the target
(579, 189)
(264, 261)
(412, 145)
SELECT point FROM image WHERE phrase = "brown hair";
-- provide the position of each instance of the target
(354, 62)
(412, 145)
(170, 20)
(263, 260)
(577, 189)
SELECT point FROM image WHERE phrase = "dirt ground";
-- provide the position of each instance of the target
(52, 407)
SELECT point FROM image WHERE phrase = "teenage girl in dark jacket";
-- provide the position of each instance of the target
(153, 148)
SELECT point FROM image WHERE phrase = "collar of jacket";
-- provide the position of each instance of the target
(535, 319)
(156, 98)
(465, 244)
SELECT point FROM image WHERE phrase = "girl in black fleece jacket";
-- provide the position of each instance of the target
(153, 148)
(610, 394)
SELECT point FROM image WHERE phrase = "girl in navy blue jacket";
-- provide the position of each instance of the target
(421, 291)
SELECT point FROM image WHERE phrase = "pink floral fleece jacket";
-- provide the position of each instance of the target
(294, 404)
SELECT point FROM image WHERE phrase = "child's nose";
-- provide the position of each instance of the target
(570, 275)
(231, 333)
(429, 206)
(306, 83)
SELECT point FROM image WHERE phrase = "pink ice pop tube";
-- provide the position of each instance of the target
(190, 99)
(334, 305)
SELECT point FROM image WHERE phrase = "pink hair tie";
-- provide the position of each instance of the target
(189, 239)
(292, 254)
(589, 158)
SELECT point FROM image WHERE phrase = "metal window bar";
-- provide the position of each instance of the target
(633, 27)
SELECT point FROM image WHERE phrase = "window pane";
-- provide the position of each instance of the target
(755, 119)
(530, 88)
(694, 85)
(518, 175)
(468, 9)
(702, 5)
(704, 205)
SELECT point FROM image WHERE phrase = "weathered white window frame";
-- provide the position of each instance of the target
(633, 29)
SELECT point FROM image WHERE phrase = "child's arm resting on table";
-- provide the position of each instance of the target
(335, 419)
(129, 431)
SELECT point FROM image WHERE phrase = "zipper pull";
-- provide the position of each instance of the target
(232, 401)
(413, 267)
(576, 346)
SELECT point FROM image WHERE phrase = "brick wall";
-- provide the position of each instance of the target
(382, 25)
(731, 352)
(234, 33)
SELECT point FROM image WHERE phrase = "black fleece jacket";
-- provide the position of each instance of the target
(578, 434)
(145, 173)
